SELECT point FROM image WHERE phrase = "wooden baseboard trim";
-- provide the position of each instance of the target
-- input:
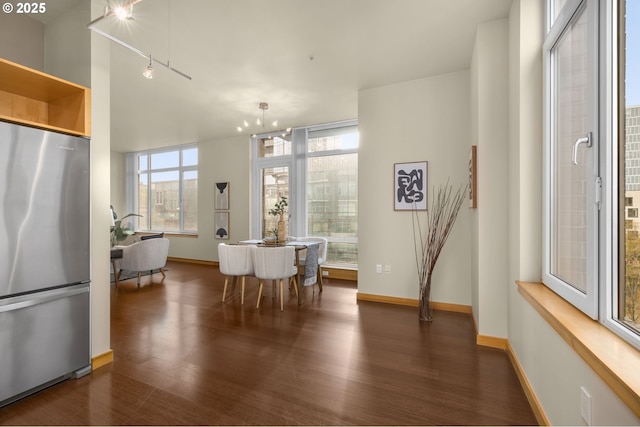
(410, 302)
(101, 360)
(386, 299)
(341, 273)
(193, 261)
(541, 417)
(445, 306)
(493, 342)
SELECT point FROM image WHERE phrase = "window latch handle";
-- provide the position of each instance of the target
(583, 140)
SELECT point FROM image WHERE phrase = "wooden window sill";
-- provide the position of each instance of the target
(612, 358)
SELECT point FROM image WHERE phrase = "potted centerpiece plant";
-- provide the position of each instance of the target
(279, 211)
(441, 217)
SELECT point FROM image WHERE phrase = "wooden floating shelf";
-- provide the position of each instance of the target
(37, 99)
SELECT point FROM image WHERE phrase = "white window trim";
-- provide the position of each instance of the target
(587, 301)
(297, 163)
(132, 172)
(609, 221)
(610, 277)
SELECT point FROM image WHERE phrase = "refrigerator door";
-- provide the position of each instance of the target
(44, 337)
(44, 209)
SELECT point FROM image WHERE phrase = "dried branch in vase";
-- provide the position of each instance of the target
(440, 220)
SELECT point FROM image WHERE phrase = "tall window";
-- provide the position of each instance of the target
(166, 190)
(274, 154)
(592, 159)
(332, 191)
(626, 309)
(316, 168)
(571, 155)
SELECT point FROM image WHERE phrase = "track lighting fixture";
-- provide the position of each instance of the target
(125, 12)
(148, 73)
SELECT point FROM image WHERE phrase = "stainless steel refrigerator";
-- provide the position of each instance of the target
(44, 259)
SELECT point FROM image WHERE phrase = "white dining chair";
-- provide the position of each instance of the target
(274, 263)
(322, 253)
(235, 261)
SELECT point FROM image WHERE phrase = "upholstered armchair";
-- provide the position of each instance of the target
(146, 255)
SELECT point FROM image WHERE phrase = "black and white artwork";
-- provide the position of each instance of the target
(221, 224)
(222, 196)
(410, 186)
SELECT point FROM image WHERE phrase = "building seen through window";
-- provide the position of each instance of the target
(629, 63)
(167, 189)
(321, 164)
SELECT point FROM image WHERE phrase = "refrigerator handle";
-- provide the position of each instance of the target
(41, 298)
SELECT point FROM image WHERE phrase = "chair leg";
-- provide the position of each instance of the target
(320, 278)
(162, 271)
(292, 280)
(281, 294)
(260, 293)
(242, 295)
(139, 276)
(224, 293)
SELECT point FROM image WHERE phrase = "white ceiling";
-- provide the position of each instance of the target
(243, 52)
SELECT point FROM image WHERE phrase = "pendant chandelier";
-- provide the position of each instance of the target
(260, 122)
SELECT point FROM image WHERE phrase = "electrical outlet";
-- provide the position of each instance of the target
(325, 273)
(379, 268)
(585, 405)
(387, 269)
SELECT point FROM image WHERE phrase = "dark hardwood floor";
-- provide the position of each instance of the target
(181, 357)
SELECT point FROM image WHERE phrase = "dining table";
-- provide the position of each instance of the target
(311, 259)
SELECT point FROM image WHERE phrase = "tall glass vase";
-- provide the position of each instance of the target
(425, 313)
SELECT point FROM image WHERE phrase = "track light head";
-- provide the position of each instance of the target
(148, 73)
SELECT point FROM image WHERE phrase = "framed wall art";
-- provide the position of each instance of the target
(222, 196)
(473, 177)
(221, 224)
(410, 186)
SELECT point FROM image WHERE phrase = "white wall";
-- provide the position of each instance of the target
(425, 119)
(68, 47)
(75, 54)
(118, 176)
(225, 160)
(22, 40)
(489, 131)
(555, 371)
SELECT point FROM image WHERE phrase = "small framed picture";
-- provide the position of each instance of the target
(221, 224)
(410, 186)
(473, 178)
(222, 196)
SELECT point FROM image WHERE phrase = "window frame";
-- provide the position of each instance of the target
(586, 301)
(614, 248)
(611, 255)
(133, 176)
(297, 163)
